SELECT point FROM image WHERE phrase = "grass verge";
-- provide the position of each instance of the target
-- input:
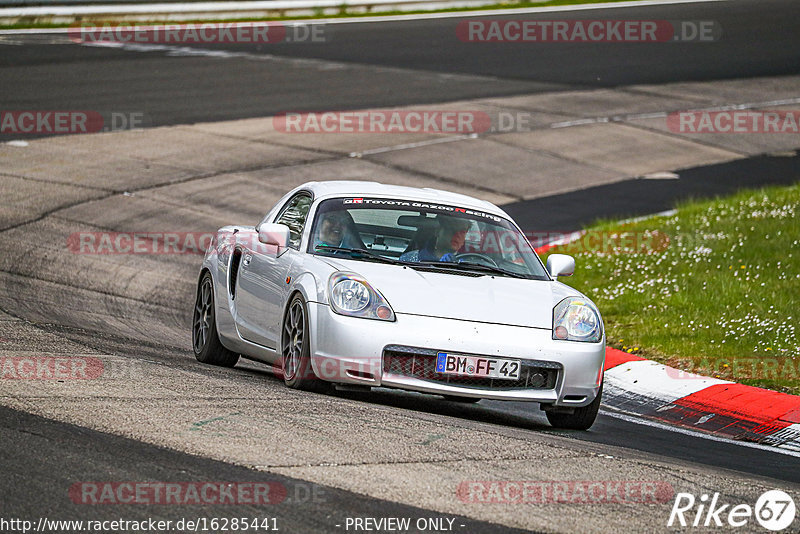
(713, 289)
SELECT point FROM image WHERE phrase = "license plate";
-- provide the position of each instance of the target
(477, 366)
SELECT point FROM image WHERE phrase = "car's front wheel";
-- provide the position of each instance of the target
(580, 419)
(205, 338)
(296, 348)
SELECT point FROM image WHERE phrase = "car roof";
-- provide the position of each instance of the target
(337, 188)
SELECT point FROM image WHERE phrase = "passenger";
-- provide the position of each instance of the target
(449, 239)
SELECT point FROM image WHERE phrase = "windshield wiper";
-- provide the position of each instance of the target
(360, 252)
(444, 265)
(472, 267)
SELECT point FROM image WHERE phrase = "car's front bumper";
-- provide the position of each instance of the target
(353, 350)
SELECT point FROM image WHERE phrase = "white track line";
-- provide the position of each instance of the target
(421, 16)
(660, 114)
(595, 120)
(418, 144)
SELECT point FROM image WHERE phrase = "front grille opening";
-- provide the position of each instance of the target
(421, 364)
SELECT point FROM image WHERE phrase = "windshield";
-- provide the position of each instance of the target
(423, 235)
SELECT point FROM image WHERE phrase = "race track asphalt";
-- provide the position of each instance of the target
(137, 312)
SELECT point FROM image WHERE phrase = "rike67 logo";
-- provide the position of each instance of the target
(774, 510)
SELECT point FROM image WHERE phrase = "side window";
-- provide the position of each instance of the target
(294, 215)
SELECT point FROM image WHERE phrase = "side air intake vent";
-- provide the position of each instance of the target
(234, 272)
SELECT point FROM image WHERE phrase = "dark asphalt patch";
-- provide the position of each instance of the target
(575, 210)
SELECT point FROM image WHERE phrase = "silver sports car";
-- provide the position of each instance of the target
(361, 284)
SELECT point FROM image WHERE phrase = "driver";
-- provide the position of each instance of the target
(449, 239)
(333, 230)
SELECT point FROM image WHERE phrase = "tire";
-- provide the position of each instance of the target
(462, 400)
(581, 419)
(296, 348)
(205, 338)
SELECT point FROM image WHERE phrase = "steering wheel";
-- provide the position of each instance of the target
(482, 259)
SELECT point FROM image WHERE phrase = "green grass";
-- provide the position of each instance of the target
(343, 14)
(721, 298)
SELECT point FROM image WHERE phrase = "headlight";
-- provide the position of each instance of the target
(349, 294)
(576, 319)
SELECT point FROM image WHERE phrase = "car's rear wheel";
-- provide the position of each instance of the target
(205, 338)
(580, 419)
(296, 348)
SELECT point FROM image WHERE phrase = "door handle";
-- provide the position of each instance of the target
(247, 259)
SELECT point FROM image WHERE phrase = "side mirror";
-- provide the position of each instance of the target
(274, 234)
(560, 265)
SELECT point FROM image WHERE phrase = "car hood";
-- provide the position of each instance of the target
(500, 300)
